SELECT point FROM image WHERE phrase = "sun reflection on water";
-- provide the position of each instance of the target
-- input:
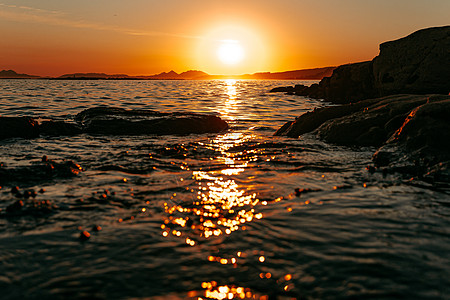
(219, 207)
(215, 205)
(230, 107)
(212, 290)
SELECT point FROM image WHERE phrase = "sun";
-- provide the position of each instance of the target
(231, 48)
(230, 52)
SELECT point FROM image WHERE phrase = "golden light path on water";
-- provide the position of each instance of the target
(218, 206)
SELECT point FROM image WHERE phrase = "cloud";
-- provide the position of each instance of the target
(59, 18)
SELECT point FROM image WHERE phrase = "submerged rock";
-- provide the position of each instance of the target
(84, 235)
(44, 170)
(117, 121)
(27, 208)
(416, 64)
(23, 127)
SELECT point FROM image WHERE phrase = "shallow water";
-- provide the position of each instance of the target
(214, 216)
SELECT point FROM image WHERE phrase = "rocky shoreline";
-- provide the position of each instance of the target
(416, 64)
(398, 102)
(113, 121)
(412, 132)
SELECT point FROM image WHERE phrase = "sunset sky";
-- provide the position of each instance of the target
(137, 37)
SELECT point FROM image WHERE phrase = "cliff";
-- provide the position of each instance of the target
(418, 63)
(398, 102)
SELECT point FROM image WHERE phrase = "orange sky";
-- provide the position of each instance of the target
(143, 37)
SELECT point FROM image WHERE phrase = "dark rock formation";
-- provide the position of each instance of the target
(310, 121)
(412, 130)
(35, 173)
(416, 64)
(117, 121)
(23, 127)
(58, 128)
(114, 121)
(348, 83)
(424, 136)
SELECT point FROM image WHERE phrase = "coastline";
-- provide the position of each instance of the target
(388, 105)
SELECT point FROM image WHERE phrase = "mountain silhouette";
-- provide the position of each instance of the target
(12, 74)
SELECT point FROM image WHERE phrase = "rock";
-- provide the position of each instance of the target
(15, 207)
(114, 121)
(96, 228)
(412, 131)
(14, 190)
(84, 235)
(38, 172)
(30, 207)
(312, 120)
(117, 121)
(416, 64)
(422, 141)
(282, 89)
(59, 128)
(23, 127)
(299, 191)
(298, 89)
(375, 123)
(348, 83)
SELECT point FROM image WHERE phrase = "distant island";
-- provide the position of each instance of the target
(305, 74)
(10, 74)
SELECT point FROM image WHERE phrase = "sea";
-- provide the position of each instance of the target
(240, 214)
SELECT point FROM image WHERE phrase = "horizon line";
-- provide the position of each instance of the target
(166, 72)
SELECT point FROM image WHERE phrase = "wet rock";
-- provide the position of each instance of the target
(365, 123)
(439, 173)
(28, 194)
(23, 127)
(412, 131)
(37, 172)
(117, 121)
(114, 121)
(96, 228)
(282, 89)
(312, 120)
(299, 191)
(370, 125)
(298, 89)
(84, 235)
(33, 208)
(371, 169)
(59, 128)
(14, 190)
(15, 207)
(422, 141)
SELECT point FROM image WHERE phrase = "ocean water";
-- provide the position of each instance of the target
(212, 216)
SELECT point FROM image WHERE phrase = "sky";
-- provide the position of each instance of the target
(138, 37)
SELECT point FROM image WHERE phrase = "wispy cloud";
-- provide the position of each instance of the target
(59, 18)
